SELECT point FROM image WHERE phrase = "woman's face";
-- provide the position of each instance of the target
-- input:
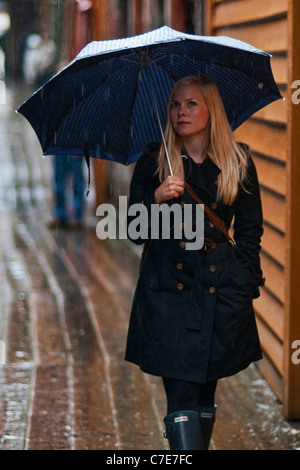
(188, 112)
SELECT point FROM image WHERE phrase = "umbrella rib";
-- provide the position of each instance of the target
(72, 108)
(166, 71)
(196, 59)
(101, 83)
(135, 95)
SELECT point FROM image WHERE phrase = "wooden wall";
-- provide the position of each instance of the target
(292, 317)
(107, 25)
(266, 25)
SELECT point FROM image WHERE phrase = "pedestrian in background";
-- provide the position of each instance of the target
(192, 319)
(38, 59)
(68, 173)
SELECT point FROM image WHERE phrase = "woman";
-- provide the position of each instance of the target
(192, 319)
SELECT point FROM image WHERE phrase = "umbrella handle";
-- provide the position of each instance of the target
(161, 129)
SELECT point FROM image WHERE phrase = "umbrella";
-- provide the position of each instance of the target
(111, 100)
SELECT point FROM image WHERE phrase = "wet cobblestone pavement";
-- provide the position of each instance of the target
(65, 299)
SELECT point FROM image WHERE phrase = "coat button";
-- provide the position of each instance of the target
(182, 244)
(182, 203)
(213, 268)
(213, 205)
(211, 224)
(179, 266)
(179, 286)
(212, 290)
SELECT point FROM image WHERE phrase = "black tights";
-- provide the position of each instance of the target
(183, 395)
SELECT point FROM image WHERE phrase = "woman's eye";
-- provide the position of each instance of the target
(174, 105)
(192, 103)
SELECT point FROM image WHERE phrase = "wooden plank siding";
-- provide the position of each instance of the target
(265, 26)
(292, 317)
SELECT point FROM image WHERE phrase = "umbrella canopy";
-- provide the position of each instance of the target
(102, 104)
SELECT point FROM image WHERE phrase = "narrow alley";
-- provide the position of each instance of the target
(65, 300)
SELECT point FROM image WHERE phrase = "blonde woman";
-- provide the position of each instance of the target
(192, 319)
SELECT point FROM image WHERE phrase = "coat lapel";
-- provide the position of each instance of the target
(202, 177)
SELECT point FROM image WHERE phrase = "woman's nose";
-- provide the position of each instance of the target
(181, 111)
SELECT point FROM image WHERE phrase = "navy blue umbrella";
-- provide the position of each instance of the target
(107, 101)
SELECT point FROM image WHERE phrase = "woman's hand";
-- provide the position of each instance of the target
(172, 187)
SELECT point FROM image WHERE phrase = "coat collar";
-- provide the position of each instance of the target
(202, 177)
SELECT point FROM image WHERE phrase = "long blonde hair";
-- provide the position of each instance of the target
(222, 146)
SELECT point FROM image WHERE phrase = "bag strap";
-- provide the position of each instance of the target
(215, 219)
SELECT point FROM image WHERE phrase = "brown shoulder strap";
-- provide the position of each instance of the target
(215, 219)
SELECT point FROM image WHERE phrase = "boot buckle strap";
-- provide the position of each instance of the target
(205, 414)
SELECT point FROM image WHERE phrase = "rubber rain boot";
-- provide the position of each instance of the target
(183, 430)
(207, 417)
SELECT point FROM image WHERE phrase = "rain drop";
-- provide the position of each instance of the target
(107, 93)
(19, 354)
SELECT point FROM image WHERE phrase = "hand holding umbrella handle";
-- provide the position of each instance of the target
(171, 187)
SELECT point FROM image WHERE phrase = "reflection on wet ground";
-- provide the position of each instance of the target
(65, 302)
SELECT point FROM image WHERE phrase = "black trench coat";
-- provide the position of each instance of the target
(192, 316)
